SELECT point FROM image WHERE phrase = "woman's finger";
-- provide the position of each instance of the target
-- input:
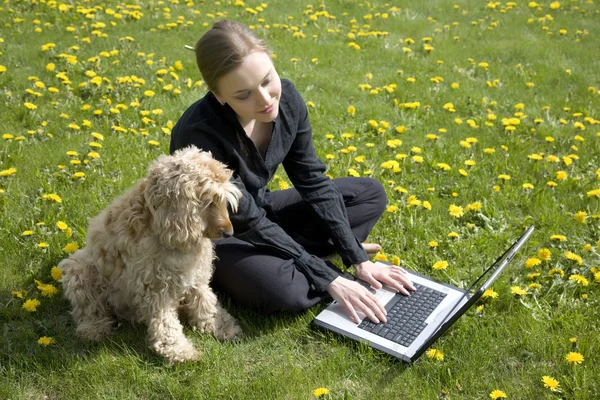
(371, 309)
(350, 311)
(371, 280)
(397, 281)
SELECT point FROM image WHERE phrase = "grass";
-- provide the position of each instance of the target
(497, 55)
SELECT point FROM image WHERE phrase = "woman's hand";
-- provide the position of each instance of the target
(377, 276)
(352, 295)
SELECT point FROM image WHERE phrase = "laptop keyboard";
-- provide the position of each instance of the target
(406, 315)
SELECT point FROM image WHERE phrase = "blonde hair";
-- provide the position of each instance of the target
(223, 48)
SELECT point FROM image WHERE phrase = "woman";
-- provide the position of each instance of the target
(252, 121)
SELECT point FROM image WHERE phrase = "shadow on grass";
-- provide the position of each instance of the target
(21, 331)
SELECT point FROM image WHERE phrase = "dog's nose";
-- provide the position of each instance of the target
(227, 230)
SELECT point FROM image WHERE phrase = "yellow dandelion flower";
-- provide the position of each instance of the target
(45, 341)
(544, 254)
(532, 262)
(8, 172)
(550, 383)
(392, 208)
(71, 247)
(579, 279)
(455, 211)
(556, 271)
(52, 197)
(56, 273)
(61, 225)
(574, 358)
(31, 305)
(439, 265)
(476, 206)
(435, 354)
(518, 291)
(558, 238)
(380, 257)
(489, 294)
(498, 394)
(319, 392)
(47, 290)
(569, 255)
(580, 217)
(433, 244)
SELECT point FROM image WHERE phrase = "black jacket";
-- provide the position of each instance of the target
(213, 127)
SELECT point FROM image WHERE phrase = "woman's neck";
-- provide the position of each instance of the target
(248, 125)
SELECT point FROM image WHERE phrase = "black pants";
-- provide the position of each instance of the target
(269, 283)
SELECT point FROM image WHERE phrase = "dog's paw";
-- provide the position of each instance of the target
(227, 328)
(96, 331)
(177, 352)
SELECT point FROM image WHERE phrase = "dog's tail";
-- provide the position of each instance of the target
(82, 285)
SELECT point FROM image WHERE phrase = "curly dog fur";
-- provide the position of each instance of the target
(149, 256)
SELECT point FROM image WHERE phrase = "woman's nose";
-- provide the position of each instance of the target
(263, 96)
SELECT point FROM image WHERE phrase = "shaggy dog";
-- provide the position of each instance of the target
(149, 255)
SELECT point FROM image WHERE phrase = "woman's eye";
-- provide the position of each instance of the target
(265, 83)
(244, 96)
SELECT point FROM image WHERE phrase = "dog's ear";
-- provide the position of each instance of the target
(138, 218)
(169, 196)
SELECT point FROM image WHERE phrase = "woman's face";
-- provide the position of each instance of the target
(252, 90)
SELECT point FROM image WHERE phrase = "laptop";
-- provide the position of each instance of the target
(415, 322)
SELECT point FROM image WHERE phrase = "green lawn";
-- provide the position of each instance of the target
(479, 118)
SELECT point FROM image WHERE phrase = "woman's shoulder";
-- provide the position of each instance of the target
(291, 97)
(200, 123)
(288, 88)
(200, 110)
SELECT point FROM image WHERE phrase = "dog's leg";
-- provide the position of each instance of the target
(82, 287)
(165, 335)
(204, 313)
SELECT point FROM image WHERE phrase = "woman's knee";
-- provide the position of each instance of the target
(291, 297)
(372, 198)
(377, 193)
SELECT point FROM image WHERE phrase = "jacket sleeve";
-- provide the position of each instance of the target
(307, 173)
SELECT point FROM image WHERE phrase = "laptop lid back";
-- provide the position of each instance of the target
(474, 292)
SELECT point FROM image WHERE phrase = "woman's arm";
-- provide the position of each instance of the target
(307, 173)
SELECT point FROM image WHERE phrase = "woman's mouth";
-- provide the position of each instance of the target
(268, 109)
